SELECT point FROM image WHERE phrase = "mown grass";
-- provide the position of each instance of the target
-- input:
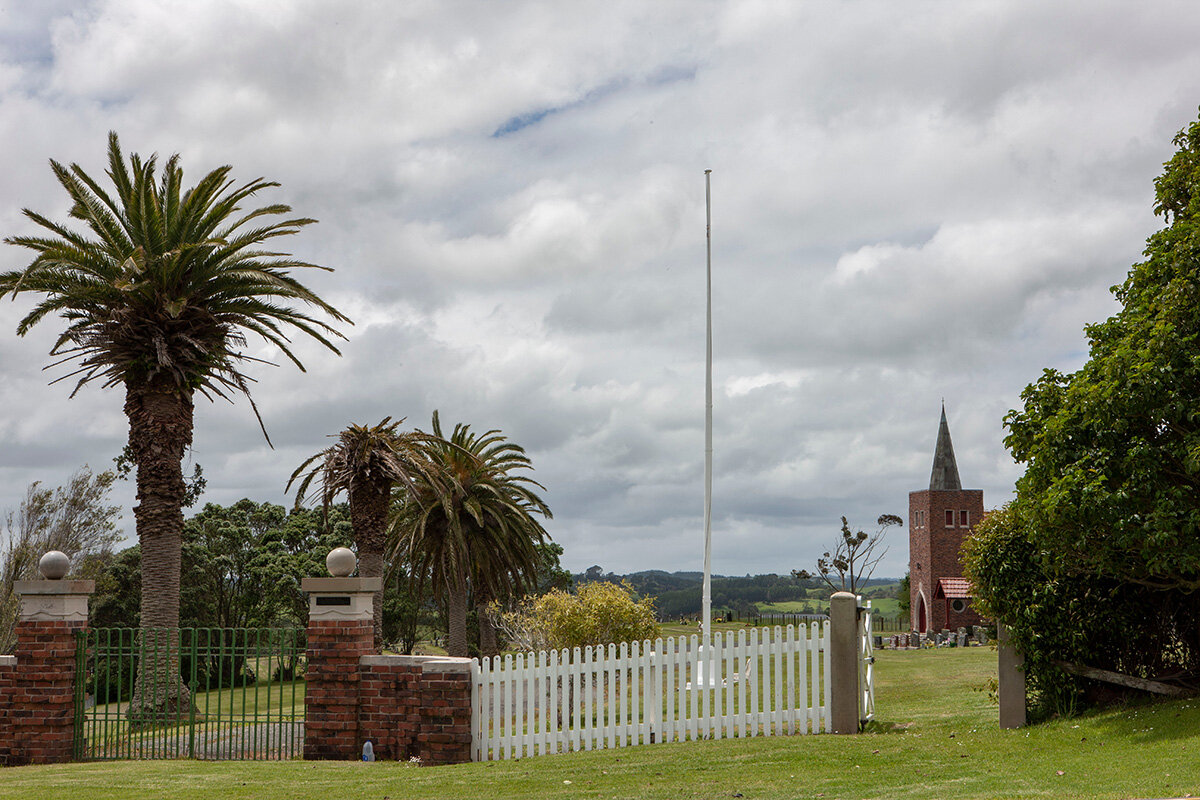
(935, 737)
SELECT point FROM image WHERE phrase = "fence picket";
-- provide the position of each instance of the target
(761, 682)
(827, 671)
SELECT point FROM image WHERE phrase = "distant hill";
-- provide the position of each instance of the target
(677, 594)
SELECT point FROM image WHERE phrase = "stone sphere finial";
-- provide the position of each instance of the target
(341, 562)
(54, 566)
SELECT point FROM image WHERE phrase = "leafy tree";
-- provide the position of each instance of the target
(904, 595)
(854, 559)
(475, 528)
(598, 612)
(158, 293)
(75, 519)
(1107, 513)
(365, 463)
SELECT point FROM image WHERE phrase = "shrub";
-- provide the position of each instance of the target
(1056, 615)
(598, 613)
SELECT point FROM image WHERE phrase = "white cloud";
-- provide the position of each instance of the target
(909, 203)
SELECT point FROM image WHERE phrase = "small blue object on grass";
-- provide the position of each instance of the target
(368, 751)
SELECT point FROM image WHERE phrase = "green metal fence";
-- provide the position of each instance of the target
(207, 693)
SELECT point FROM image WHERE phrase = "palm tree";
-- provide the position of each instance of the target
(365, 463)
(158, 293)
(476, 530)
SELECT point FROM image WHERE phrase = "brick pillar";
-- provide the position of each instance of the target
(41, 711)
(340, 632)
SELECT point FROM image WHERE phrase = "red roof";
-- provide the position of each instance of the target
(952, 588)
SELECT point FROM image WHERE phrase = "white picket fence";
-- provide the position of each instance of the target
(761, 682)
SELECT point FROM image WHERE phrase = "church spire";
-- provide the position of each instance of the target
(945, 470)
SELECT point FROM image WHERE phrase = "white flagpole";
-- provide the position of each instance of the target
(706, 597)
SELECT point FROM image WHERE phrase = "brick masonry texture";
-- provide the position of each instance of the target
(37, 695)
(408, 706)
(934, 553)
(331, 698)
(7, 671)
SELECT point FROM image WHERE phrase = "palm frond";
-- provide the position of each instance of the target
(163, 282)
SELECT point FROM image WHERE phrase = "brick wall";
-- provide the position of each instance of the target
(416, 706)
(8, 666)
(41, 708)
(445, 736)
(934, 550)
(388, 711)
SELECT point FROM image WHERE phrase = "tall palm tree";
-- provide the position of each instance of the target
(158, 292)
(365, 463)
(477, 529)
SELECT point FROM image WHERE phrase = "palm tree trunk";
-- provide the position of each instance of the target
(456, 617)
(160, 431)
(487, 629)
(368, 516)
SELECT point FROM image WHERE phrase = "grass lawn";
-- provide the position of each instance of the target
(888, 606)
(935, 737)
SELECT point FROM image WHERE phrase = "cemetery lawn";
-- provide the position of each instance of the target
(936, 737)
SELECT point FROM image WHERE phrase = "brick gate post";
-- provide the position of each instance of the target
(41, 709)
(340, 632)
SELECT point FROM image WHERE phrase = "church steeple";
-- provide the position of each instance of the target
(945, 470)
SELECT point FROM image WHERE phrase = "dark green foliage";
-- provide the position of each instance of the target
(1098, 560)
(1057, 615)
(244, 565)
(739, 594)
(1113, 450)
(111, 681)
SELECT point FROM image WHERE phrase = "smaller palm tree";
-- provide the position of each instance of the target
(475, 530)
(365, 463)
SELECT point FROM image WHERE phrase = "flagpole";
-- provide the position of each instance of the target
(706, 597)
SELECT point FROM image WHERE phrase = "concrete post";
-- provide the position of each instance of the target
(1012, 681)
(843, 662)
(41, 711)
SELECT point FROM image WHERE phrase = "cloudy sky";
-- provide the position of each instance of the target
(911, 201)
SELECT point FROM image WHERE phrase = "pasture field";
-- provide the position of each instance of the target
(935, 737)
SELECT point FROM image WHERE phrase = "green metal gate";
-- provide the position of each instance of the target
(206, 693)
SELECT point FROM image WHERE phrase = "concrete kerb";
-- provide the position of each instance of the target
(430, 663)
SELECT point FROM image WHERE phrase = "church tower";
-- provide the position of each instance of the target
(940, 518)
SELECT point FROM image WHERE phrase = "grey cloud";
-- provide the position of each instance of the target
(909, 204)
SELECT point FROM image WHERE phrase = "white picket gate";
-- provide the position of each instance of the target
(761, 683)
(866, 664)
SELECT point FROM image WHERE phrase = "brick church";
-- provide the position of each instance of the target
(939, 519)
